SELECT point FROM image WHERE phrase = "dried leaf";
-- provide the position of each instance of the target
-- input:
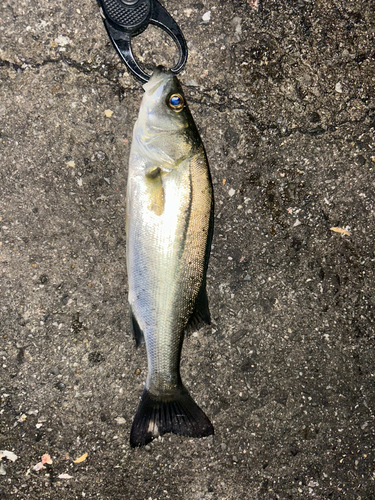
(340, 230)
(254, 4)
(64, 476)
(46, 459)
(80, 459)
(8, 454)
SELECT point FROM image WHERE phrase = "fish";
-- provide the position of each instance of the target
(169, 228)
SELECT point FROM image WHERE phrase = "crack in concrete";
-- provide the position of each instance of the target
(15, 66)
(261, 127)
(87, 69)
(82, 67)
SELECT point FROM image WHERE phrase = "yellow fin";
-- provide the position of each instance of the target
(155, 190)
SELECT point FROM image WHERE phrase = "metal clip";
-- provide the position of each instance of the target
(125, 19)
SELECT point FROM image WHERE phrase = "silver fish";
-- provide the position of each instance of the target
(169, 231)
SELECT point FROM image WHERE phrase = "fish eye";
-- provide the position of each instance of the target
(176, 102)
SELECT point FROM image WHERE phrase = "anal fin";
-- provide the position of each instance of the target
(136, 329)
(201, 315)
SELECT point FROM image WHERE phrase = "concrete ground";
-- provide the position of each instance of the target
(283, 95)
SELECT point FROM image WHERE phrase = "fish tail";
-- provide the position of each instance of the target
(177, 413)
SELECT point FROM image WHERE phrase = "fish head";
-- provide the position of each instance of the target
(165, 129)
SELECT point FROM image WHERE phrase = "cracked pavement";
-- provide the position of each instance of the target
(283, 95)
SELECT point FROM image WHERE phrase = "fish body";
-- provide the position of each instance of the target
(169, 230)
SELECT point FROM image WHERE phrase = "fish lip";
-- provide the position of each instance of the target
(159, 76)
(160, 69)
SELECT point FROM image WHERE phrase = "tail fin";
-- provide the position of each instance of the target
(177, 413)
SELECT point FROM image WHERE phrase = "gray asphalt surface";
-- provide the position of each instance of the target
(283, 95)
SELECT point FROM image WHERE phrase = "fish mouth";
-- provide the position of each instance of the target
(159, 76)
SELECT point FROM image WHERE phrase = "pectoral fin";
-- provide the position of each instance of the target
(153, 173)
(155, 190)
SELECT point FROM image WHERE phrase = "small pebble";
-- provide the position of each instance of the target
(206, 16)
(62, 40)
(120, 420)
(243, 396)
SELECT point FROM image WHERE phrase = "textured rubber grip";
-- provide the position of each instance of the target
(128, 17)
